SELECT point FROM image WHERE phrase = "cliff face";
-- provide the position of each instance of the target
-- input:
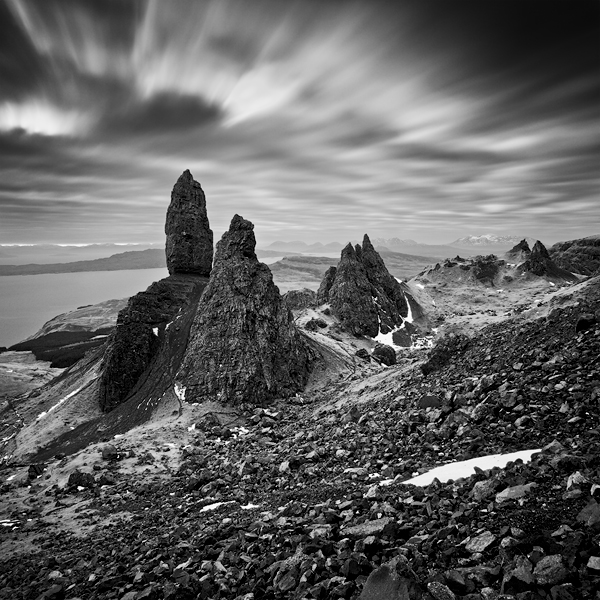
(189, 245)
(243, 345)
(578, 256)
(137, 338)
(362, 293)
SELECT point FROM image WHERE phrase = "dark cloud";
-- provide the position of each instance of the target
(316, 118)
(161, 113)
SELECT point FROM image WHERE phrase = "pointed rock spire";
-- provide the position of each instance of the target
(243, 346)
(189, 245)
(362, 293)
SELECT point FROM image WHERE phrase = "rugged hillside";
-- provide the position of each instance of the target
(306, 499)
(64, 340)
(579, 256)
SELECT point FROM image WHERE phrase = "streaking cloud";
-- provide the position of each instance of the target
(322, 117)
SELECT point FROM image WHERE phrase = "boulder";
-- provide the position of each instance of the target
(384, 354)
(243, 346)
(189, 245)
(298, 299)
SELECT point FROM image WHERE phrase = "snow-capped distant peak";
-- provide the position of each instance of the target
(488, 239)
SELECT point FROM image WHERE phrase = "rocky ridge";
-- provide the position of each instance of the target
(243, 346)
(363, 295)
(578, 256)
(541, 264)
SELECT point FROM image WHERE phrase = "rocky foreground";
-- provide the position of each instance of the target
(305, 498)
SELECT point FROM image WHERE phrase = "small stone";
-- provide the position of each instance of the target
(590, 515)
(440, 591)
(481, 542)
(514, 492)
(593, 564)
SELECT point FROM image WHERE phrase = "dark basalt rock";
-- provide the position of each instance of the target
(243, 346)
(323, 291)
(137, 337)
(539, 263)
(362, 293)
(392, 304)
(578, 256)
(485, 268)
(351, 295)
(189, 245)
(298, 299)
(518, 253)
(384, 354)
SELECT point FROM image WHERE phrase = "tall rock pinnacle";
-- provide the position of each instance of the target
(243, 346)
(189, 244)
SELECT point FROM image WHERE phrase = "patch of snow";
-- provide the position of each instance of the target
(552, 283)
(215, 505)
(249, 506)
(155, 331)
(43, 414)
(179, 391)
(465, 468)
(11, 477)
(192, 427)
(420, 286)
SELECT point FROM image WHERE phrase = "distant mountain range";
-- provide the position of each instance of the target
(54, 253)
(298, 246)
(391, 244)
(490, 241)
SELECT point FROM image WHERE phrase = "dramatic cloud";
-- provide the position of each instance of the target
(318, 120)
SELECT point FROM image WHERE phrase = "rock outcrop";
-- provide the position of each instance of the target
(578, 256)
(243, 345)
(189, 245)
(519, 252)
(298, 299)
(363, 295)
(541, 264)
(137, 337)
(325, 286)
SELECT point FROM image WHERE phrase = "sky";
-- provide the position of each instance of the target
(318, 120)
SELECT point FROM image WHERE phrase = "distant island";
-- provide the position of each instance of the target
(153, 258)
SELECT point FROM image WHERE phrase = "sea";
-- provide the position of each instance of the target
(29, 301)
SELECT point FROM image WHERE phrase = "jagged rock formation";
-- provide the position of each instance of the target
(362, 293)
(189, 246)
(325, 286)
(578, 256)
(243, 346)
(519, 252)
(297, 299)
(539, 263)
(137, 337)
